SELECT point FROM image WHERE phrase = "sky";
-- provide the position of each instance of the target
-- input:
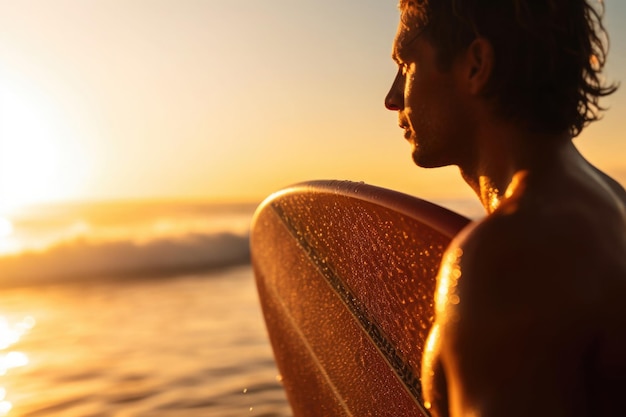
(219, 100)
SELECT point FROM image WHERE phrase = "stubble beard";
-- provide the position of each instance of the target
(425, 150)
(422, 160)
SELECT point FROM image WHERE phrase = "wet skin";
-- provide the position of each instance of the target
(530, 307)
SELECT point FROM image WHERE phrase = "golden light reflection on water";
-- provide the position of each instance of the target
(10, 334)
(12, 360)
(5, 406)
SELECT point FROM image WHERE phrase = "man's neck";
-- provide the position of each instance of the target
(505, 156)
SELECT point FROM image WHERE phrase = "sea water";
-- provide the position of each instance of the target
(133, 309)
(189, 345)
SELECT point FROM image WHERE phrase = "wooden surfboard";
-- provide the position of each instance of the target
(346, 278)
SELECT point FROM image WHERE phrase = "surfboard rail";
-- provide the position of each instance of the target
(440, 218)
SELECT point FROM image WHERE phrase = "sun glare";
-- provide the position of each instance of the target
(6, 227)
(37, 161)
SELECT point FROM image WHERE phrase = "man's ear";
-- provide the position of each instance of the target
(479, 62)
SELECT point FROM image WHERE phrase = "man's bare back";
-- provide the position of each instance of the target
(531, 301)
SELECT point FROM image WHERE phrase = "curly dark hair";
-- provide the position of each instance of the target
(549, 54)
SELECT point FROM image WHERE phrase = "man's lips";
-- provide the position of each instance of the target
(407, 130)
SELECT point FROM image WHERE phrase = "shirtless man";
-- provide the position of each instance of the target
(531, 301)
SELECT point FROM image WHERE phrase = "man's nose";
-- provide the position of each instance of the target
(395, 97)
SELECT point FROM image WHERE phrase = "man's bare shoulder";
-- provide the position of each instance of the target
(616, 188)
(510, 244)
(541, 254)
(582, 234)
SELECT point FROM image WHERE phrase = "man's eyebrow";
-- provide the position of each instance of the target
(402, 45)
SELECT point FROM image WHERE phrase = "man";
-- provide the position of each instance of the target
(531, 301)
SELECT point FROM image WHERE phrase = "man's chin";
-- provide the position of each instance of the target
(424, 160)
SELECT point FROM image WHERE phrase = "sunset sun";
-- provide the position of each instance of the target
(37, 160)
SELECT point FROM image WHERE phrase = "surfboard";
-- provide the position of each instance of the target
(346, 278)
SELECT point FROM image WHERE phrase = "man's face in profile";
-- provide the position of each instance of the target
(427, 99)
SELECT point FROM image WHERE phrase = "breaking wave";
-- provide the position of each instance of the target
(122, 240)
(84, 258)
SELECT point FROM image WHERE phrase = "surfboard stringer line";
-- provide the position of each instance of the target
(403, 371)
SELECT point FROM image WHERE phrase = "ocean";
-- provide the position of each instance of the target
(135, 309)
